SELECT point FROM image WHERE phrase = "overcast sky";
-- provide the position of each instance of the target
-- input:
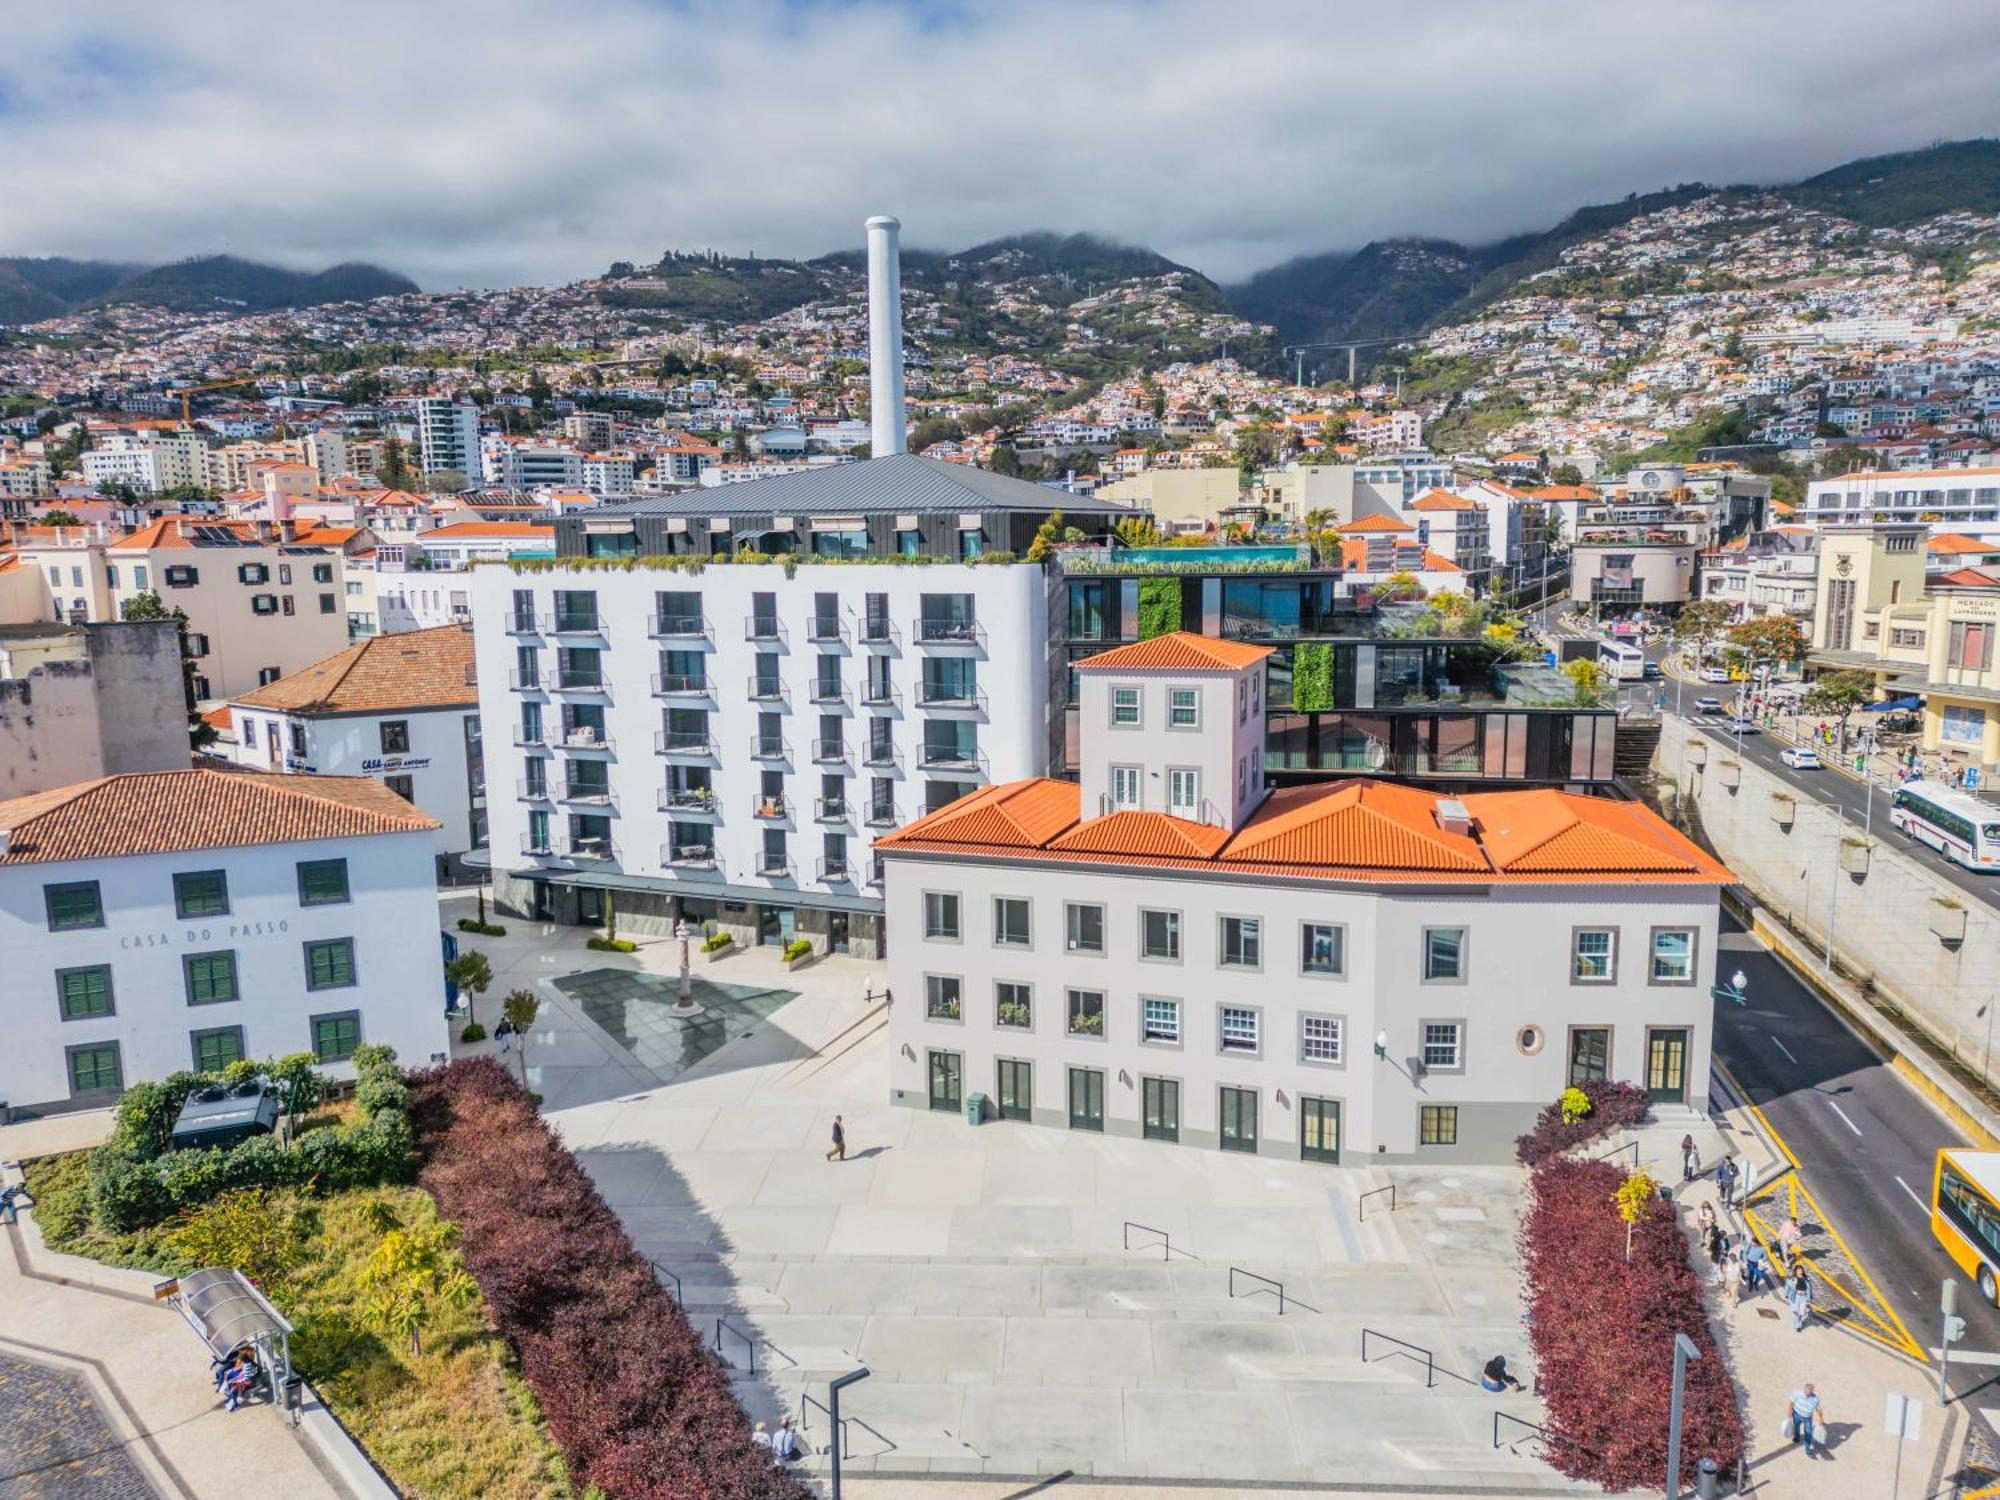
(505, 141)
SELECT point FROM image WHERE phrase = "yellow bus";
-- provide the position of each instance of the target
(1965, 1215)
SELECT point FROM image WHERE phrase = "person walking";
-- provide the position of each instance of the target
(1808, 1426)
(1705, 1220)
(1725, 1181)
(1755, 1264)
(1496, 1376)
(785, 1442)
(1690, 1159)
(1788, 1242)
(1800, 1297)
(838, 1150)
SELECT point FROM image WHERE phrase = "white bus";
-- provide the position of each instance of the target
(1958, 825)
(1622, 661)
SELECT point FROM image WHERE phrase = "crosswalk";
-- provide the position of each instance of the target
(1715, 721)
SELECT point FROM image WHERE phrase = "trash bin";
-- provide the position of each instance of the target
(975, 1109)
(1707, 1486)
(295, 1392)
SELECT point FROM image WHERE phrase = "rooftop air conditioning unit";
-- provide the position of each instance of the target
(1454, 817)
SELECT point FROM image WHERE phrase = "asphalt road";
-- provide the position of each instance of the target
(1867, 1145)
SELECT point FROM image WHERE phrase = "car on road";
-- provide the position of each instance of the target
(1737, 724)
(1708, 704)
(1800, 757)
(1652, 669)
(1715, 674)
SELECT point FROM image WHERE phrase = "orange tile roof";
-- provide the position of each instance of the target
(1374, 523)
(1966, 578)
(1563, 492)
(465, 530)
(1372, 832)
(1443, 500)
(1179, 651)
(1953, 543)
(165, 812)
(414, 670)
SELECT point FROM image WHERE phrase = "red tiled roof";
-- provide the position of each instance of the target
(1374, 523)
(1179, 651)
(1953, 543)
(415, 669)
(1966, 578)
(1443, 500)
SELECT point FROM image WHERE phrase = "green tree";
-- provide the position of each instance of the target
(1838, 695)
(1046, 536)
(299, 1083)
(472, 973)
(1138, 531)
(539, 393)
(394, 470)
(1156, 399)
(1586, 680)
(251, 1231)
(1768, 640)
(1004, 460)
(148, 606)
(1732, 347)
(1566, 474)
(1702, 621)
(413, 1274)
(520, 1008)
(60, 518)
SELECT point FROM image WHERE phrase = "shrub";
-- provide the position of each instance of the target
(1603, 1331)
(484, 929)
(638, 1406)
(1159, 607)
(1312, 676)
(716, 941)
(1612, 1106)
(1575, 1105)
(473, 1032)
(611, 945)
(798, 948)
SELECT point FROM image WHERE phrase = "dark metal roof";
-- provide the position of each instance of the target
(903, 482)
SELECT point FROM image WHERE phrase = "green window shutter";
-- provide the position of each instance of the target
(211, 977)
(85, 992)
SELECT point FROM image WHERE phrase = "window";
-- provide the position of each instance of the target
(1084, 928)
(211, 977)
(1160, 935)
(322, 882)
(267, 675)
(1086, 1013)
(1184, 793)
(94, 1069)
(263, 604)
(327, 604)
(395, 736)
(1589, 1054)
(1125, 787)
(330, 964)
(1125, 707)
(197, 643)
(1013, 1004)
(404, 786)
(73, 904)
(179, 578)
(289, 607)
(253, 573)
(1444, 1048)
(1444, 955)
(943, 997)
(1242, 943)
(322, 572)
(216, 1049)
(1239, 1029)
(1183, 708)
(1320, 1039)
(1437, 1125)
(85, 992)
(1010, 922)
(285, 575)
(941, 916)
(1160, 1022)
(1322, 948)
(1971, 645)
(335, 1037)
(201, 893)
(1593, 955)
(1673, 955)
(1242, 701)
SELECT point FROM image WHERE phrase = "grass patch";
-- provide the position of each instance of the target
(454, 1419)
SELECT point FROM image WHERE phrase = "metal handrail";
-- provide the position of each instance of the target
(773, 805)
(824, 628)
(881, 814)
(763, 628)
(972, 700)
(823, 691)
(1631, 1145)
(767, 690)
(806, 1398)
(668, 742)
(949, 633)
(1236, 1271)
(1361, 1204)
(1430, 1359)
(835, 872)
(830, 809)
(828, 751)
(671, 626)
(1166, 1240)
(668, 683)
(688, 856)
(748, 1342)
(769, 747)
(879, 631)
(880, 695)
(672, 1276)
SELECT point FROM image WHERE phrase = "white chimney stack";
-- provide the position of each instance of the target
(889, 427)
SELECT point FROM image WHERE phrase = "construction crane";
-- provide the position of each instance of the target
(186, 391)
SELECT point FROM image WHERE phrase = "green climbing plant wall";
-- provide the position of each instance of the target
(1312, 677)
(1159, 607)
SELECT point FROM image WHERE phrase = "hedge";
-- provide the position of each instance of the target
(1603, 1333)
(136, 1180)
(1613, 1106)
(1159, 607)
(638, 1406)
(1312, 677)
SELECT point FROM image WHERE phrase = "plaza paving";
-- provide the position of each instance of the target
(982, 1273)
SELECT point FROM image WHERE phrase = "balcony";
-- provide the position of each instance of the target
(882, 753)
(527, 682)
(585, 737)
(668, 742)
(827, 752)
(771, 809)
(948, 697)
(529, 790)
(596, 793)
(680, 685)
(835, 872)
(951, 758)
(570, 680)
(688, 856)
(531, 739)
(595, 851)
(830, 809)
(542, 848)
(570, 622)
(679, 627)
(880, 695)
(774, 867)
(768, 690)
(880, 632)
(687, 799)
(763, 628)
(520, 622)
(881, 815)
(949, 633)
(826, 691)
(825, 628)
(769, 747)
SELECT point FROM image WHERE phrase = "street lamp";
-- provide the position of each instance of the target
(833, 1391)
(1684, 1350)
(1382, 1046)
(1733, 991)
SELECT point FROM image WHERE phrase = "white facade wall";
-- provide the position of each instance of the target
(1518, 951)
(1223, 747)
(1010, 654)
(391, 918)
(1965, 501)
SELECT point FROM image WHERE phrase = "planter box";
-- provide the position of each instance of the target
(793, 965)
(1697, 752)
(716, 956)
(1784, 809)
(1854, 855)
(1947, 920)
(1729, 773)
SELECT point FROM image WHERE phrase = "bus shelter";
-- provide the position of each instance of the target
(229, 1314)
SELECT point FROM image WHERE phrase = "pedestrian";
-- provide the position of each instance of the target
(839, 1148)
(760, 1437)
(1690, 1159)
(785, 1442)
(1705, 1220)
(11, 1198)
(1717, 1243)
(1732, 1275)
(504, 1035)
(1496, 1377)
(1755, 1264)
(1800, 1298)
(1725, 1181)
(1788, 1242)
(1808, 1426)
(236, 1385)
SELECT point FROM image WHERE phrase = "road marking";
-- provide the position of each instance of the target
(1970, 1357)
(1788, 1052)
(1913, 1197)
(1843, 1117)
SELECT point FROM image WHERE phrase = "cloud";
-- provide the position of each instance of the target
(515, 140)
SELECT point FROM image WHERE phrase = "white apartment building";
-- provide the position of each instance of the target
(448, 437)
(609, 474)
(1960, 500)
(150, 460)
(399, 709)
(588, 429)
(160, 921)
(1353, 971)
(422, 581)
(527, 466)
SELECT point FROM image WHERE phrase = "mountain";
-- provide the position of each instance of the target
(1892, 192)
(223, 283)
(34, 288)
